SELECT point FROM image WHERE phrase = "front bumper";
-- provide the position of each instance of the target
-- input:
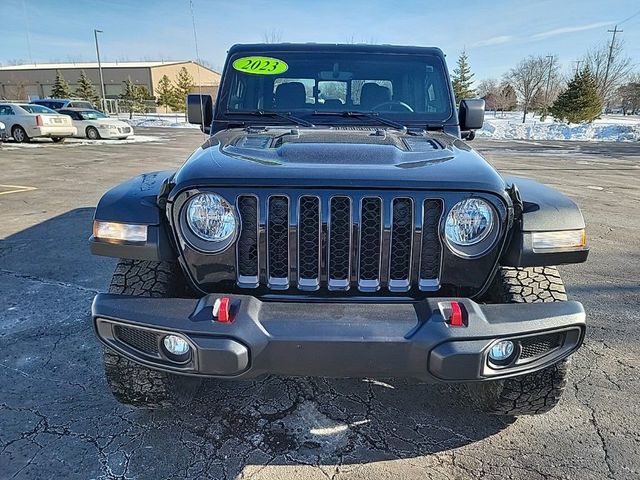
(339, 339)
(112, 133)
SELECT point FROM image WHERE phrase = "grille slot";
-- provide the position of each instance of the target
(309, 230)
(401, 244)
(339, 251)
(247, 247)
(539, 345)
(431, 252)
(341, 242)
(142, 340)
(278, 242)
(370, 244)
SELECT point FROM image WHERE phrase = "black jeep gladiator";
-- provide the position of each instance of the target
(336, 224)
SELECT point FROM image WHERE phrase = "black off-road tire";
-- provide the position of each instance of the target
(536, 392)
(131, 383)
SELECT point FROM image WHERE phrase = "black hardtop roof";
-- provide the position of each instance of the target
(333, 47)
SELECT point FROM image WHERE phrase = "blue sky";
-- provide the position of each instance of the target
(496, 34)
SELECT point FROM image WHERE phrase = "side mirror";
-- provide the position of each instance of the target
(470, 117)
(200, 110)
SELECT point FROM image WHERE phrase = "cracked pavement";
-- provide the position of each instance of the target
(58, 420)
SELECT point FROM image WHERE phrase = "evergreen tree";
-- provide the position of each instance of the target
(60, 88)
(86, 90)
(166, 94)
(580, 102)
(184, 85)
(134, 97)
(462, 79)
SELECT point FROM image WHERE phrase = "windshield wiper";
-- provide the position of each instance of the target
(268, 113)
(374, 115)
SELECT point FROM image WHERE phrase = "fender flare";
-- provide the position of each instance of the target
(135, 201)
(544, 209)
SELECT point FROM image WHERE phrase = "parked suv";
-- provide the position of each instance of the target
(336, 224)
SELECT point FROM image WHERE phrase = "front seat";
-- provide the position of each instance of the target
(290, 96)
(373, 94)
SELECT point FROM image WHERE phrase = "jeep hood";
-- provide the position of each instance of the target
(338, 157)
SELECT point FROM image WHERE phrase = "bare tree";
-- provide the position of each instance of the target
(498, 96)
(529, 77)
(628, 95)
(272, 36)
(507, 98)
(620, 67)
(489, 90)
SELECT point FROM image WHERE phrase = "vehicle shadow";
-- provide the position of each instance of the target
(319, 421)
(230, 425)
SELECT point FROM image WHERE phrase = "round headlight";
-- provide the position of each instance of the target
(211, 217)
(469, 222)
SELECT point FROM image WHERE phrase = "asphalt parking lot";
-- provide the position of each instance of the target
(58, 420)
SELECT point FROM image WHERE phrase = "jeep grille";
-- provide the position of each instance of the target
(367, 242)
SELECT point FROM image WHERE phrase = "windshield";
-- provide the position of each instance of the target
(92, 115)
(407, 88)
(32, 108)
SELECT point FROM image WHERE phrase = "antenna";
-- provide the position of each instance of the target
(195, 40)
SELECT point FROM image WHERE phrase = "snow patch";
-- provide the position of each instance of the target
(158, 121)
(608, 128)
(75, 142)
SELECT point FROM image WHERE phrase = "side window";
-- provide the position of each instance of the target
(236, 99)
(436, 96)
(332, 91)
(6, 110)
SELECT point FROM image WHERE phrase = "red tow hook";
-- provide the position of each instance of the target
(222, 310)
(456, 319)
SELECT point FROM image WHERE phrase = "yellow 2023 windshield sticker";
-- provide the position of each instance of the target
(260, 65)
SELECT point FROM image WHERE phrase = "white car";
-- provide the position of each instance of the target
(24, 121)
(94, 124)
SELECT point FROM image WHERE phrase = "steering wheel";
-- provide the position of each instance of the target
(392, 103)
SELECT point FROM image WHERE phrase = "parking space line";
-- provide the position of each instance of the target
(15, 189)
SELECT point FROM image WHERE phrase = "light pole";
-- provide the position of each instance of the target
(546, 90)
(95, 34)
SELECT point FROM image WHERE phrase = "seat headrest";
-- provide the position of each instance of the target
(290, 95)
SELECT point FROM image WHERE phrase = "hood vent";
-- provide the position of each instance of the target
(259, 142)
(422, 144)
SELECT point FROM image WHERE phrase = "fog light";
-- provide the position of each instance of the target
(175, 345)
(501, 351)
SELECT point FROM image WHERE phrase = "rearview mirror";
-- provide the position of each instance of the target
(200, 110)
(470, 116)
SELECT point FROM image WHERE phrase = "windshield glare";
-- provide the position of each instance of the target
(403, 87)
(92, 115)
(32, 108)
